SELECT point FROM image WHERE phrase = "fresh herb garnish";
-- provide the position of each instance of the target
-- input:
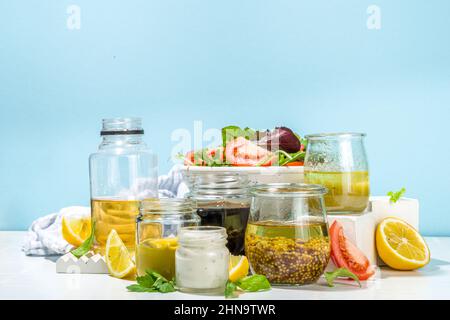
(152, 282)
(395, 196)
(85, 246)
(340, 273)
(254, 283)
(231, 290)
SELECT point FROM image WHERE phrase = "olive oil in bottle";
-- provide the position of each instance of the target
(114, 214)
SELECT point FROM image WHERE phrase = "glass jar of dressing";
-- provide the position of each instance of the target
(157, 228)
(202, 259)
(287, 234)
(223, 200)
(338, 161)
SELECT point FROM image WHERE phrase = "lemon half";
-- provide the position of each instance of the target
(76, 229)
(400, 245)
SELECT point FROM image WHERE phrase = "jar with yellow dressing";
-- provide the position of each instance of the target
(157, 228)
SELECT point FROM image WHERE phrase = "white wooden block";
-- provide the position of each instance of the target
(406, 209)
(360, 229)
(89, 263)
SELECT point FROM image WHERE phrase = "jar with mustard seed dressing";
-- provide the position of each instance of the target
(287, 234)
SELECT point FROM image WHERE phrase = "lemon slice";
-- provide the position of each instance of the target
(76, 229)
(118, 259)
(238, 268)
(400, 246)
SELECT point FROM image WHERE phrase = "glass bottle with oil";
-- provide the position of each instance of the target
(338, 161)
(122, 173)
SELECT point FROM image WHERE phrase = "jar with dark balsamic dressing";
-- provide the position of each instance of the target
(223, 200)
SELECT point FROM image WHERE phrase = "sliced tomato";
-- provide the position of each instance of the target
(216, 154)
(242, 152)
(346, 255)
(192, 160)
(295, 164)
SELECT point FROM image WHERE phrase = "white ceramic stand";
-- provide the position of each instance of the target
(89, 263)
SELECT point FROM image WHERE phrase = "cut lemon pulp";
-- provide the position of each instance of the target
(76, 229)
(238, 268)
(400, 246)
(118, 259)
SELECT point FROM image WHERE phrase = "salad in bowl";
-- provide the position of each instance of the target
(279, 147)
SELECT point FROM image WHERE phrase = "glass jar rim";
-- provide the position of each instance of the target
(335, 135)
(289, 190)
(202, 235)
(166, 206)
(122, 126)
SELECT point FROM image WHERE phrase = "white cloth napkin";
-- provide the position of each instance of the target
(44, 237)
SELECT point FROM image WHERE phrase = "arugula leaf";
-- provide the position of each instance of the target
(298, 156)
(231, 290)
(395, 196)
(254, 283)
(85, 246)
(152, 282)
(338, 273)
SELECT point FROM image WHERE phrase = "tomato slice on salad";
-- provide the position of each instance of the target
(346, 255)
(242, 152)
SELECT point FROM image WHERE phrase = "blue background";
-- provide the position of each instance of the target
(310, 65)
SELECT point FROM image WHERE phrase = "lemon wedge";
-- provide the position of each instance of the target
(118, 259)
(76, 229)
(238, 268)
(400, 245)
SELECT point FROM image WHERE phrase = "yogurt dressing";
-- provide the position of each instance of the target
(201, 260)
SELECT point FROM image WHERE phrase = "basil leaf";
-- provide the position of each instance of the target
(340, 273)
(152, 282)
(254, 283)
(230, 290)
(145, 281)
(138, 288)
(166, 287)
(85, 246)
(395, 196)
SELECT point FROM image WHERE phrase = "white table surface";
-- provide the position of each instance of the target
(23, 277)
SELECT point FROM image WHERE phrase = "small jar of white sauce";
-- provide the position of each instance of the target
(201, 260)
